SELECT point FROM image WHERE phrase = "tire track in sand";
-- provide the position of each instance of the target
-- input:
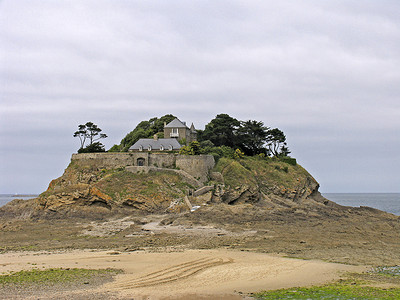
(173, 273)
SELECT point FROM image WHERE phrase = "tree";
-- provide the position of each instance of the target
(253, 136)
(222, 130)
(284, 150)
(81, 133)
(89, 132)
(276, 139)
(145, 129)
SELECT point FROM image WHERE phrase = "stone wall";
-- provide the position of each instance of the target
(162, 160)
(197, 166)
(105, 160)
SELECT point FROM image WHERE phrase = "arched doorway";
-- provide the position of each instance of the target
(140, 161)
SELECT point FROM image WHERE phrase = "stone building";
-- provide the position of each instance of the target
(156, 144)
(178, 130)
(174, 132)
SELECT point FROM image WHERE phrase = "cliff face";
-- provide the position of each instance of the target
(270, 182)
(102, 185)
(85, 187)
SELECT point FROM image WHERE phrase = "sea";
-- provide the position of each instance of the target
(5, 198)
(389, 202)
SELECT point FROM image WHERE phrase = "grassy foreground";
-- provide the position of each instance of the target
(342, 290)
(53, 276)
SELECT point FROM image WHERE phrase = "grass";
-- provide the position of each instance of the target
(262, 172)
(53, 276)
(125, 184)
(342, 290)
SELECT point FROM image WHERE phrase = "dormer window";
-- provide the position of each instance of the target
(140, 148)
(149, 148)
(161, 148)
(170, 148)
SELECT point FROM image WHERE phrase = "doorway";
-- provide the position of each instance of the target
(140, 161)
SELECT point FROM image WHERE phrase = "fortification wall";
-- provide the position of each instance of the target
(162, 160)
(197, 166)
(108, 160)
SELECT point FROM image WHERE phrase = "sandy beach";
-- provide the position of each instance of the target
(190, 274)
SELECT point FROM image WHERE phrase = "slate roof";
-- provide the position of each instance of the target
(156, 144)
(176, 123)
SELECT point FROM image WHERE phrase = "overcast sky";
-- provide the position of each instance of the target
(327, 73)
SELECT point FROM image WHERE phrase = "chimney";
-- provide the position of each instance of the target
(165, 124)
(155, 137)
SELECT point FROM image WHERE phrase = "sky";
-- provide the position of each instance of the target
(327, 73)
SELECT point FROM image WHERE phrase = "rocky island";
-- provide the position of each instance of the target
(169, 202)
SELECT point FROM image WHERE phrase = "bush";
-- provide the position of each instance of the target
(95, 147)
(195, 146)
(114, 148)
(186, 150)
(206, 144)
(216, 156)
(227, 152)
(238, 154)
(289, 160)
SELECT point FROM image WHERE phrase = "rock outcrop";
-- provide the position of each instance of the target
(95, 189)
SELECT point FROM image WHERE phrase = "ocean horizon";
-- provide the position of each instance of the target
(389, 202)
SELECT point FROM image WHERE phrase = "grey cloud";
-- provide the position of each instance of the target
(327, 73)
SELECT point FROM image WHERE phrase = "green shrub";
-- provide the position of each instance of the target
(227, 151)
(95, 147)
(56, 275)
(186, 150)
(114, 148)
(238, 154)
(289, 160)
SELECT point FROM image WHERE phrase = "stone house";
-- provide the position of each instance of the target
(174, 132)
(178, 130)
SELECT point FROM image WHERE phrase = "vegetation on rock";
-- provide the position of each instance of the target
(53, 276)
(250, 137)
(345, 289)
(90, 132)
(145, 129)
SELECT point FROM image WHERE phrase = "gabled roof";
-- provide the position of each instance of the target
(176, 123)
(168, 144)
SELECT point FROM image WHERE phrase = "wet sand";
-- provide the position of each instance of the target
(190, 274)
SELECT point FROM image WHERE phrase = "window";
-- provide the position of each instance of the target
(170, 147)
(140, 148)
(174, 132)
(161, 147)
(149, 148)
